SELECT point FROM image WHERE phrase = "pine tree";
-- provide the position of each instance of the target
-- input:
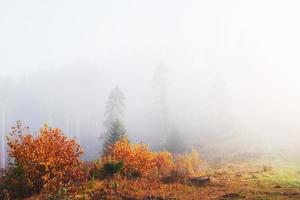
(113, 124)
(116, 133)
(114, 108)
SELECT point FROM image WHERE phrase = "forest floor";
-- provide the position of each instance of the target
(248, 180)
(231, 181)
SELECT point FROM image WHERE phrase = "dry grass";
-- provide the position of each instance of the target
(232, 181)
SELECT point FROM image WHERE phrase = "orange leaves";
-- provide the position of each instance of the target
(164, 162)
(139, 160)
(164, 159)
(188, 164)
(50, 159)
(153, 167)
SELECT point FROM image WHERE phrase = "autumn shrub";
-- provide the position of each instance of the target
(143, 172)
(164, 163)
(92, 169)
(15, 183)
(185, 166)
(49, 160)
(188, 164)
(138, 159)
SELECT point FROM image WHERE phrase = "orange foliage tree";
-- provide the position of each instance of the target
(138, 160)
(50, 159)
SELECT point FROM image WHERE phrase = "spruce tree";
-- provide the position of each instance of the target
(114, 109)
(115, 133)
(113, 124)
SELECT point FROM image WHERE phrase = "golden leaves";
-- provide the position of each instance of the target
(139, 159)
(152, 167)
(49, 158)
(188, 164)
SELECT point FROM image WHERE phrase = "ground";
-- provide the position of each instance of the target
(249, 179)
(231, 181)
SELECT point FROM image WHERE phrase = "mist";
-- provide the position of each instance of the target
(232, 70)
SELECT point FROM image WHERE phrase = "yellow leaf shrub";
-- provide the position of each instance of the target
(188, 164)
(50, 159)
(164, 163)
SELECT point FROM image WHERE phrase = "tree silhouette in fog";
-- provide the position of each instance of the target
(114, 113)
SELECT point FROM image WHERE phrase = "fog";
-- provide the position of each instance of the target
(232, 69)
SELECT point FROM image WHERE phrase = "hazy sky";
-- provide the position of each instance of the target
(252, 46)
(122, 34)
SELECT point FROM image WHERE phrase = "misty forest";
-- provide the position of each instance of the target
(149, 100)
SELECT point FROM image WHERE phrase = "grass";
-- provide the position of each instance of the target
(232, 181)
(286, 177)
(253, 180)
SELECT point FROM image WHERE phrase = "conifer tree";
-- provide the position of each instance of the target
(113, 124)
(114, 108)
(115, 133)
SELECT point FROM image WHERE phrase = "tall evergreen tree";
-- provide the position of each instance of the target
(114, 108)
(113, 125)
(115, 133)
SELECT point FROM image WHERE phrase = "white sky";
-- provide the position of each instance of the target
(37, 34)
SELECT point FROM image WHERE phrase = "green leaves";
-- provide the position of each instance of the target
(116, 133)
(112, 168)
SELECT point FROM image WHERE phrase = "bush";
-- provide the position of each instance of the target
(92, 170)
(50, 160)
(112, 168)
(184, 167)
(164, 163)
(138, 160)
(16, 183)
(188, 164)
